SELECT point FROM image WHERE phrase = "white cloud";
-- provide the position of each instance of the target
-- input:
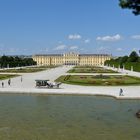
(46, 49)
(43, 50)
(101, 48)
(60, 42)
(82, 49)
(134, 49)
(7, 50)
(135, 37)
(73, 47)
(87, 41)
(12, 50)
(109, 38)
(119, 49)
(74, 37)
(60, 47)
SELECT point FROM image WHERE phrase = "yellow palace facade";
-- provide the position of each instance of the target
(71, 59)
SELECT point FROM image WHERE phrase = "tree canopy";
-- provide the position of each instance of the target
(133, 57)
(131, 4)
(9, 61)
(126, 61)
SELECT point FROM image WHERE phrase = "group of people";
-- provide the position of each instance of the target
(9, 82)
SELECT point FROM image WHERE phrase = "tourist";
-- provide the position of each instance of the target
(9, 82)
(2, 84)
(121, 92)
(21, 79)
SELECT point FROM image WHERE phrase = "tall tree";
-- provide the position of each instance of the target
(124, 59)
(133, 57)
(15, 61)
(131, 4)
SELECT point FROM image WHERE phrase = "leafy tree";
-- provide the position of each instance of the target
(128, 61)
(119, 59)
(15, 61)
(133, 57)
(124, 59)
(131, 4)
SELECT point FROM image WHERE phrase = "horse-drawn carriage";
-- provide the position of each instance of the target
(45, 83)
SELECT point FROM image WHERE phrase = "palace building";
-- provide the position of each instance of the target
(71, 59)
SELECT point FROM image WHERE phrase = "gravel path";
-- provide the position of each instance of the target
(28, 85)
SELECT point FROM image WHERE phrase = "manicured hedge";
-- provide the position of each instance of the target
(136, 65)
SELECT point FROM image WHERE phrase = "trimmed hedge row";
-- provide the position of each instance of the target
(136, 65)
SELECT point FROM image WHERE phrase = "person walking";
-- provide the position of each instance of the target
(9, 82)
(2, 84)
(121, 92)
(21, 79)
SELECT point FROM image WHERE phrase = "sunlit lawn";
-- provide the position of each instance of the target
(99, 80)
(27, 70)
(90, 69)
(6, 76)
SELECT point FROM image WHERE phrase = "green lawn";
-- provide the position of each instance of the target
(99, 80)
(28, 70)
(50, 66)
(23, 70)
(90, 70)
(6, 76)
(86, 66)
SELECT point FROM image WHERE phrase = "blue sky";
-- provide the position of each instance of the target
(58, 26)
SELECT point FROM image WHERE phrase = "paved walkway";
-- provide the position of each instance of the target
(28, 86)
(123, 71)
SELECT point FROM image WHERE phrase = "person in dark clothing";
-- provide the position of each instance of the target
(2, 84)
(21, 79)
(121, 92)
(9, 82)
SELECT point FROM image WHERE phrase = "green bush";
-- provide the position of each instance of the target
(136, 66)
(132, 61)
